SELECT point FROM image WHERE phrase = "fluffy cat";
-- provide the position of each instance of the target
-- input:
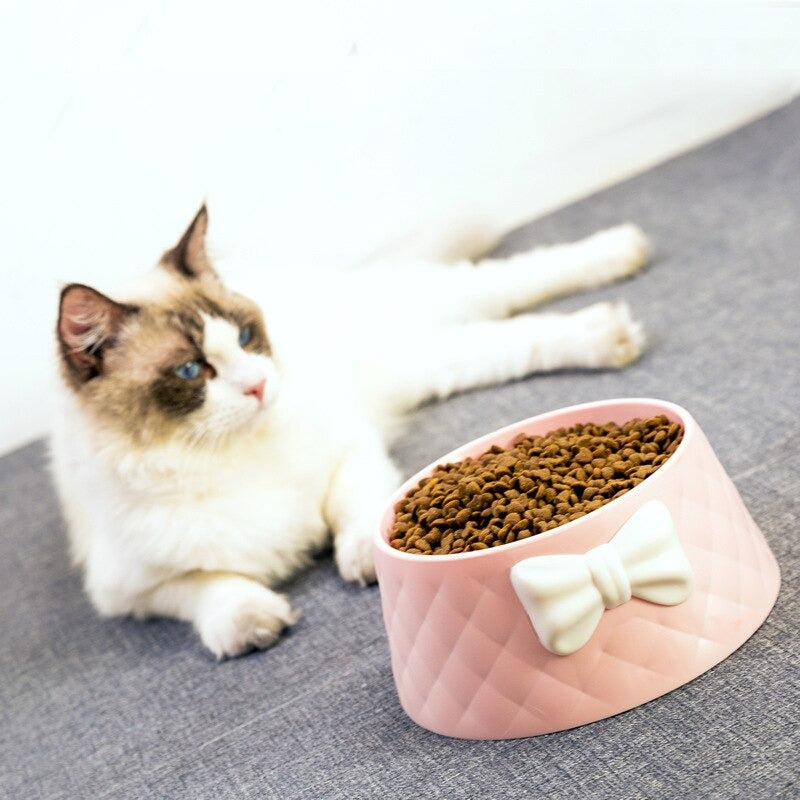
(202, 456)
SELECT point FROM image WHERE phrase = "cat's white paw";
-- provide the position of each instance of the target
(244, 616)
(619, 251)
(609, 336)
(354, 555)
(626, 339)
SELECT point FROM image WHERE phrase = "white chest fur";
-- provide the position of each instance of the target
(253, 508)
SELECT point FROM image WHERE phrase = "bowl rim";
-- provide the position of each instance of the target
(381, 538)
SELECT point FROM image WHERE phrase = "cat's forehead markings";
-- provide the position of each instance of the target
(189, 324)
(206, 302)
(188, 312)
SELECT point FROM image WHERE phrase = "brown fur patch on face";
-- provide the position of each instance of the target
(178, 396)
(138, 391)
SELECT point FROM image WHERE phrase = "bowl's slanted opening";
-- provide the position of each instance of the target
(617, 411)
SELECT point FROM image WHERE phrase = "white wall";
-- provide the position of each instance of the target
(319, 132)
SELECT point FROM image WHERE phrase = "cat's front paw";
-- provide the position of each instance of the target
(354, 555)
(244, 616)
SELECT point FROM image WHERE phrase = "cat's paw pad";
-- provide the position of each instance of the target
(249, 617)
(354, 555)
(621, 251)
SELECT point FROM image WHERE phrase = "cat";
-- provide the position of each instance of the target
(202, 456)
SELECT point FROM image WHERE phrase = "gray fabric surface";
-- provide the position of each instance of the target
(100, 709)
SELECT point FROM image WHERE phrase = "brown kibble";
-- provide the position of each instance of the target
(584, 456)
(537, 484)
(526, 483)
(423, 545)
(433, 538)
(462, 516)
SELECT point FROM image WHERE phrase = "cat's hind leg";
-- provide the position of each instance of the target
(486, 352)
(496, 288)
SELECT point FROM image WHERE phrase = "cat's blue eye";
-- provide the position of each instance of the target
(245, 334)
(190, 370)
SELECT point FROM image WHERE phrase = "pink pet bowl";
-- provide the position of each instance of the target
(587, 620)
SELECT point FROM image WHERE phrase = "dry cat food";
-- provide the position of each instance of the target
(535, 485)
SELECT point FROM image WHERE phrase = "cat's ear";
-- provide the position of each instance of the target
(189, 258)
(88, 325)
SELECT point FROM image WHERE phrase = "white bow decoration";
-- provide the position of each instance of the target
(565, 595)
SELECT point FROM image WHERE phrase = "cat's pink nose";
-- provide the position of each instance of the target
(257, 390)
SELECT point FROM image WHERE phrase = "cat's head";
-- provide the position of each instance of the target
(191, 362)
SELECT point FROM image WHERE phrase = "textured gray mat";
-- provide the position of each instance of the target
(99, 709)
